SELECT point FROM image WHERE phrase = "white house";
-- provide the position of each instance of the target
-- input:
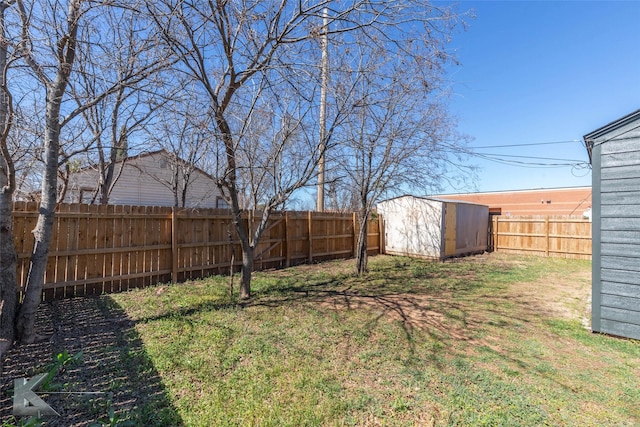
(148, 179)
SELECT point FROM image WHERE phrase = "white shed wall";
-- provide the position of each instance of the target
(413, 226)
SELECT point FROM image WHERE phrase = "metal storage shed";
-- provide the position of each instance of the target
(614, 151)
(433, 228)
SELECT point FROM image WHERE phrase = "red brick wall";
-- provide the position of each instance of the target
(556, 201)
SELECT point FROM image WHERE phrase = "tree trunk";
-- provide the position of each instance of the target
(362, 258)
(25, 323)
(230, 183)
(8, 281)
(42, 232)
(55, 90)
(248, 253)
(8, 257)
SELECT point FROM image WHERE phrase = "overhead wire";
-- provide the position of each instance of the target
(508, 159)
(582, 166)
(588, 196)
(529, 144)
(531, 157)
(537, 165)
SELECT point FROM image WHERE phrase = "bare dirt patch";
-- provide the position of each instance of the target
(554, 295)
(566, 296)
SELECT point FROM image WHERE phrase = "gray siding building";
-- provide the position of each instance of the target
(614, 151)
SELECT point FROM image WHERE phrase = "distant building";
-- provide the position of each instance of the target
(148, 179)
(572, 201)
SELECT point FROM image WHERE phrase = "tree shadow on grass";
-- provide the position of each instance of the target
(456, 309)
(113, 367)
(416, 310)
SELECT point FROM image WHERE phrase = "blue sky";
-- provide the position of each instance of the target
(540, 72)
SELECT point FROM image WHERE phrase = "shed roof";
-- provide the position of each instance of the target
(435, 199)
(610, 127)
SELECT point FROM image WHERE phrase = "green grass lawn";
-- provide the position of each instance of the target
(491, 340)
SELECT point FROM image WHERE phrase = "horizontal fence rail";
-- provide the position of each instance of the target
(559, 236)
(99, 249)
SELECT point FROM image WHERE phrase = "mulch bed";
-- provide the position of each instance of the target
(112, 362)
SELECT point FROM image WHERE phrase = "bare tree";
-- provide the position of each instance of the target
(55, 82)
(115, 121)
(185, 134)
(242, 55)
(26, 139)
(49, 43)
(8, 257)
(400, 136)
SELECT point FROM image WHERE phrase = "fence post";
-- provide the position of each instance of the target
(287, 246)
(355, 233)
(380, 235)
(496, 234)
(174, 245)
(546, 232)
(310, 237)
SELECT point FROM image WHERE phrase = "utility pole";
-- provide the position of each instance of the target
(323, 107)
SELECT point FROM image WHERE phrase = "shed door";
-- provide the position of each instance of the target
(450, 229)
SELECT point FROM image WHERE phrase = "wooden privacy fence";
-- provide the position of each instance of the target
(100, 249)
(560, 236)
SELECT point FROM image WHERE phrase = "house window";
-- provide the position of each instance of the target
(86, 195)
(221, 203)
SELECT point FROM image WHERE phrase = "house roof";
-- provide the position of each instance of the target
(150, 154)
(610, 127)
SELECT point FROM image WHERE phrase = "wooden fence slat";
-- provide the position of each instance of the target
(140, 232)
(546, 229)
(105, 248)
(118, 240)
(174, 245)
(549, 236)
(286, 248)
(310, 224)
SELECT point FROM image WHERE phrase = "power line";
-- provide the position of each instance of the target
(573, 141)
(531, 157)
(580, 203)
(537, 165)
(508, 159)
